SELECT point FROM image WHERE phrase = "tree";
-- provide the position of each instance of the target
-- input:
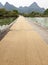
(32, 14)
(5, 13)
(46, 12)
(2, 11)
(16, 11)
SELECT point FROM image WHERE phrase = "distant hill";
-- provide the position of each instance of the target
(8, 6)
(1, 6)
(33, 7)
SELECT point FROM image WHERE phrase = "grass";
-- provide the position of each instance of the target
(6, 21)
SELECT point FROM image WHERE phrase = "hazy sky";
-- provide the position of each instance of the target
(17, 3)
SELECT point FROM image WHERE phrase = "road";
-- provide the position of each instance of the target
(22, 45)
(43, 32)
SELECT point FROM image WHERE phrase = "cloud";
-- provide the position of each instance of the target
(17, 3)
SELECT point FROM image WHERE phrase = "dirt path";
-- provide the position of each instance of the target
(23, 46)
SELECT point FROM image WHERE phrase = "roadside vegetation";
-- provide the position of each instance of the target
(36, 14)
(6, 17)
(5, 13)
(6, 21)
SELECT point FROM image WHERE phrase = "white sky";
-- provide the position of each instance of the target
(17, 3)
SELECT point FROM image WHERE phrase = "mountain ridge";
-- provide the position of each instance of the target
(26, 9)
(1, 5)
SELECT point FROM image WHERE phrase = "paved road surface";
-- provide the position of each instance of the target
(23, 46)
(39, 29)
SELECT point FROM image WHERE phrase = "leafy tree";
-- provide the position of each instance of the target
(13, 14)
(46, 12)
(5, 13)
(32, 14)
(2, 11)
(16, 11)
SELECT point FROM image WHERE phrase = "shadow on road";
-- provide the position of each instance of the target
(3, 34)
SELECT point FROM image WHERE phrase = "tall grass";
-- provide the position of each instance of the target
(6, 21)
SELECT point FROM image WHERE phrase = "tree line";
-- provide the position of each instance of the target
(5, 13)
(36, 14)
(15, 13)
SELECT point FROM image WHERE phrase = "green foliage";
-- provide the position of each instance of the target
(4, 13)
(32, 14)
(37, 14)
(45, 12)
(6, 17)
(6, 21)
(15, 11)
